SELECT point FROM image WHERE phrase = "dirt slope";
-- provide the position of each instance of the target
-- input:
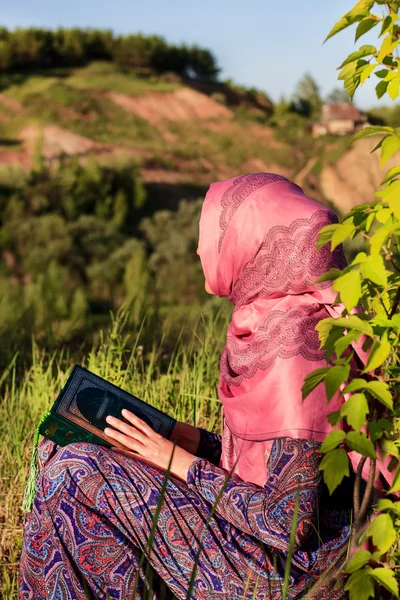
(356, 176)
(181, 105)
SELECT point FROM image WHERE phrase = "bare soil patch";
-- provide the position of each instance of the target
(181, 105)
(13, 105)
(57, 142)
(355, 177)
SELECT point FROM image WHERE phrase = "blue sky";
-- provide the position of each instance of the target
(263, 43)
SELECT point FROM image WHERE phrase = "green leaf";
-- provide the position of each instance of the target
(358, 561)
(324, 328)
(353, 322)
(344, 342)
(325, 235)
(382, 532)
(365, 50)
(393, 88)
(378, 239)
(393, 197)
(333, 440)
(355, 385)
(330, 275)
(355, 409)
(360, 443)
(360, 585)
(371, 131)
(387, 47)
(381, 89)
(381, 73)
(347, 71)
(349, 287)
(396, 481)
(396, 320)
(335, 466)
(390, 146)
(334, 379)
(367, 72)
(379, 353)
(378, 145)
(342, 231)
(312, 380)
(364, 26)
(375, 431)
(387, 579)
(383, 215)
(368, 223)
(361, 256)
(388, 22)
(344, 22)
(384, 504)
(373, 268)
(334, 418)
(330, 343)
(393, 172)
(389, 447)
(361, 9)
(380, 390)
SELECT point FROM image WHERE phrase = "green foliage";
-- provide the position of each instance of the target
(36, 48)
(335, 466)
(307, 97)
(66, 235)
(337, 96)
(176, 269)
(371, 405)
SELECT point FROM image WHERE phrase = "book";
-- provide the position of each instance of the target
(79, 411)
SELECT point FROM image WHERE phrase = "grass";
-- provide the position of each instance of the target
(93, 116)
(35, 84)
(97, 77)
(185, 386)
(103, 76)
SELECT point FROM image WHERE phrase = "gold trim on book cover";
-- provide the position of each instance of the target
(68, 409)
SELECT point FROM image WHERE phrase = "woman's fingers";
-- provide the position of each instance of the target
(127, 429)
(137, 422)
(126, 440)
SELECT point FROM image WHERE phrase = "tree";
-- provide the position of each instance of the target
(173, 239)
(307, 98)
(368, 422)
(338, 96)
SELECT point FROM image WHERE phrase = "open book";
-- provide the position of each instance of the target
(79, 412)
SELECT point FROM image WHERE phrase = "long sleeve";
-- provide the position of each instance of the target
(267, 513)
(210, 447)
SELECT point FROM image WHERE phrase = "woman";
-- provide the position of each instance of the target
(93, 509)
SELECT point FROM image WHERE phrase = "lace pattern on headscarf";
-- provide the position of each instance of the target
(288, 261)
(241, 189)
(282, 334)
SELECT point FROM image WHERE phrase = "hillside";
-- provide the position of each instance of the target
(177, 133)
(180, 132)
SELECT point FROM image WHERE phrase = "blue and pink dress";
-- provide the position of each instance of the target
(93, 514)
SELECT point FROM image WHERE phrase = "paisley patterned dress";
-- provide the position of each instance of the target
(215, 537)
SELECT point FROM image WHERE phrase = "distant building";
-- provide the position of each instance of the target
(339, 119)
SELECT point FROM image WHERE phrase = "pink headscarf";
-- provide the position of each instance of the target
(258, 246)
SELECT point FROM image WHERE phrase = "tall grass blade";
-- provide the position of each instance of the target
(291, 546)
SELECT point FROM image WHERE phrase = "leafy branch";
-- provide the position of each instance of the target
(369, 288)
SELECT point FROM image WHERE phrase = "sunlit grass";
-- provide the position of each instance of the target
(102, 76)
(186, 389)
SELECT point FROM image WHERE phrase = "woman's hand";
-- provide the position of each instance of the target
(148, 444)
